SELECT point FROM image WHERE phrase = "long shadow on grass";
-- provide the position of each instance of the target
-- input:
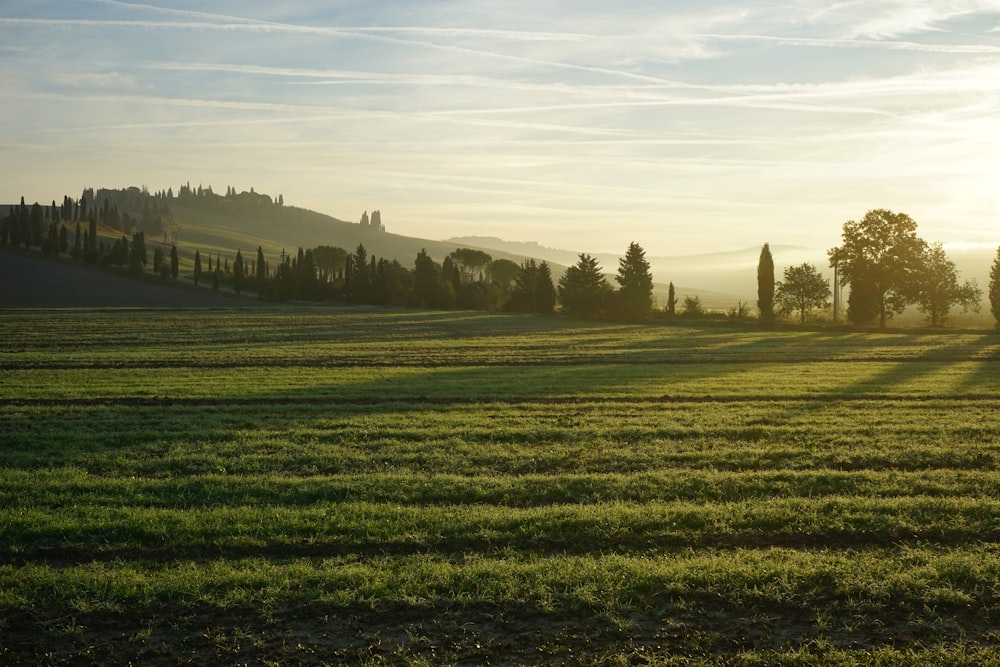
(900, 380)
(568, 544)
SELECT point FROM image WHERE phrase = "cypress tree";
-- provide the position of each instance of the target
(77, 252)
(995, 288)
(174, 263)
(765, 284)
(197, 266)
(261, 271)
(238, 272)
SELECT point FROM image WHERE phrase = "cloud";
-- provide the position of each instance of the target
(105, 80)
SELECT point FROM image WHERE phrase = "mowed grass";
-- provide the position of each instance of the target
(398, 487)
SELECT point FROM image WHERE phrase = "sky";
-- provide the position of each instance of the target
(685, 126)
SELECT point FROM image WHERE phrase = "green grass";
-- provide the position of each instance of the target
(397, 487)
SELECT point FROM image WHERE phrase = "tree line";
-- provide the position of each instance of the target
(882, 261)
(887, 268)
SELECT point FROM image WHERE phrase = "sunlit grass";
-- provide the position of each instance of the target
(438, 488)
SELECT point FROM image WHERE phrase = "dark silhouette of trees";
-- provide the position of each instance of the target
(937, 287)
(261, 272)
(503, 272)
(77, 251)
(802, 290)
(881, 256)
(995, 288)
(533, 291)
(470, 262)
(174, 262)
(634, 299)
(90, 247)
(693, 307)
(330, 260)
(137, 257)
(765, 284)
(359, 281)
(583, 289)
(430, 289)
(197, 266)
(238, 272)
(37, 226)
(158, 260)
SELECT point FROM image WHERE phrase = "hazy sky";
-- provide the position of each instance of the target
(684, 125)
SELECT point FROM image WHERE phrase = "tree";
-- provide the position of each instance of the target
(174, 262)
(238, 272)
(261, 272)
(881, 255)
(429, 290)
(583, 289)
(360, 281)
(995, 288)
(330, 259)
(77, 251)
(671, 308)
(545, 291)
(692, 306)
(635, 294)
(533, 291)
(802, 290)
(470, 262)
(157, 259)
(938, 289)
(503, 272)
(765, 284)
(137, 257)
(197, 266)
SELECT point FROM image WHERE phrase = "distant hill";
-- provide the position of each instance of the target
(719, 279)
(723, 278)
(220, 226)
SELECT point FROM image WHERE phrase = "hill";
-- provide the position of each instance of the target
(28, 281)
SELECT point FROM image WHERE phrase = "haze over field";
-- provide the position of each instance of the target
(688, 128)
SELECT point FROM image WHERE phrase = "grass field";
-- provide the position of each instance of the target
(273, 486)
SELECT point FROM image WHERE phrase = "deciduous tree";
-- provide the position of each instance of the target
(938, 288)
(881, 255)
(802, 290)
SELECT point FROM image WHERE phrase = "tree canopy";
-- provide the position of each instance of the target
(938, 289)
(765, 284)
(635, 294)
(802, 290)
(880, 256)
(583, 289)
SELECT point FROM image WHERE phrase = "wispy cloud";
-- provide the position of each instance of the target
(735, 118)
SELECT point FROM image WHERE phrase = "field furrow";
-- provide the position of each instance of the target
(437, 488)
